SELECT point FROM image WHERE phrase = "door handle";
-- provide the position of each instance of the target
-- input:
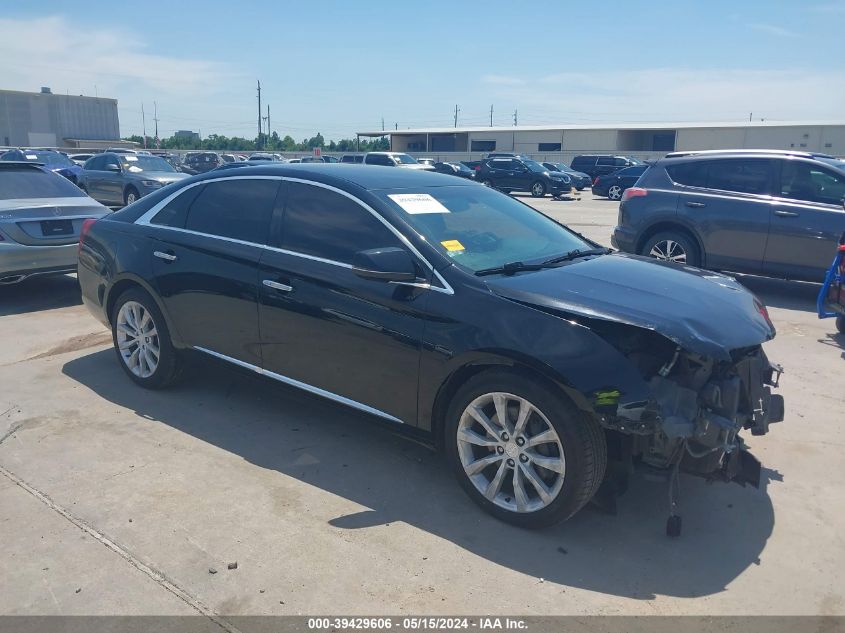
(695, 205)
(276, 285)
(165, 256)
(786, 214)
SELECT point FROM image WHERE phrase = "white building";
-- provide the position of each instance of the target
(638, 140)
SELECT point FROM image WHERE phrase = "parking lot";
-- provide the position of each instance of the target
(120, 500)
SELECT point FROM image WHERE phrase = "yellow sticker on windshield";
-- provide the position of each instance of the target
(453, 246)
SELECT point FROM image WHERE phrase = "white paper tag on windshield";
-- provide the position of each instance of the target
(415, 203)
(31, 157)
(130, 158)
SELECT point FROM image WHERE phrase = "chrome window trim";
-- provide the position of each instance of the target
(302, 385)
(144, 220)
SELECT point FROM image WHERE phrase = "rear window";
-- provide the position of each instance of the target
(28, 182)
(689, 174)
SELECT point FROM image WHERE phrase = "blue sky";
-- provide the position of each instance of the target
(339, 67)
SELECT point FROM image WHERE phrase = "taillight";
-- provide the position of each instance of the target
(595, 180)
(633, 192)
(86, 226)
(477, 168)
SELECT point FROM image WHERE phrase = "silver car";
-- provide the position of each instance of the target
(41, 217)
(118, 179)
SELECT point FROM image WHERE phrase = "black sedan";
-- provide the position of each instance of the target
(454, 169)
(614, 185)
(580, 180)
(532, 357)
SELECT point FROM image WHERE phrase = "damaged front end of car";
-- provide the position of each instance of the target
(697, 408)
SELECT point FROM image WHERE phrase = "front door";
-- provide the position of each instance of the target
(326, 329)
(206, 246)
(807, 221)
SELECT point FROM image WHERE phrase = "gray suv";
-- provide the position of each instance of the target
(778, 214)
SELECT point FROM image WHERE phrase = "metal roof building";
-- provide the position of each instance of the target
(641, 140)
(44, 119)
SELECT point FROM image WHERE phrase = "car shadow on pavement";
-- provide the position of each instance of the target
(398, 479)
(39, 293)
(779, 293)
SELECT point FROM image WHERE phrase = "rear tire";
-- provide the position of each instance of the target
(131, 196)
(840, 324)
(674, 246)
(615, 192)
(573, 446)
(142, 341)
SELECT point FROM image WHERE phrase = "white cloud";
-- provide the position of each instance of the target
(74, 58)
(829, 8)
(678, 94)
(772, 29)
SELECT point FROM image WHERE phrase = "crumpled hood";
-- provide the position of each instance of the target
(703, 312)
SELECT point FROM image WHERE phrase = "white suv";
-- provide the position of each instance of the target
(394, 159)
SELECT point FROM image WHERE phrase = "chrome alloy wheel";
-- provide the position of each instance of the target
(511, 452)
(615, 192)
(669, 250)
(137, 339)
(538, 189)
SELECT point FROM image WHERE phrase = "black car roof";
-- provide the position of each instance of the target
(370, 177)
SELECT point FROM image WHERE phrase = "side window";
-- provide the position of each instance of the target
(605, 160)
(326, 224)
(620, 162)
(237, 208)
(95, 163)
(808, 182)
(743, 176)
(689, 174)
(175, 212)
(380, 159)
(503, 164)
(109, 160)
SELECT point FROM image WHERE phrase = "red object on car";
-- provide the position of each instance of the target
(86, 226)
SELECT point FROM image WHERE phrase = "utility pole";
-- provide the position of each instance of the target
(382, 124)
(515, 119)
(395, 126)
(456, 115)
(269, 129)
(491, 115)
(155, 118)
(749, 115)
(144, 125)
(258, 142)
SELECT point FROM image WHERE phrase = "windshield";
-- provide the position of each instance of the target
(534, 166)
(404, 159)
(141, 163)
(481, 228)
(32, 182)
(54, 159)
(836, 162)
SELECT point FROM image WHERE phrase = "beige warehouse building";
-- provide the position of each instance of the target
(637, 140)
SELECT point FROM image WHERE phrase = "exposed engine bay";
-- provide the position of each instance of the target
(697, 409)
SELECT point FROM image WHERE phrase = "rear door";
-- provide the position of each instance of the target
(729, 201)
(605, 165)
(807, 220)
(327, 329)
(207, 243)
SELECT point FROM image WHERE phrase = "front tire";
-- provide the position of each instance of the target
(522, 451)
(142, 340)
(538, 189)
(672, 246)
(840, 324)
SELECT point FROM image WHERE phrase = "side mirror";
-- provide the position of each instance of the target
(112, 167)
(384, 264)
